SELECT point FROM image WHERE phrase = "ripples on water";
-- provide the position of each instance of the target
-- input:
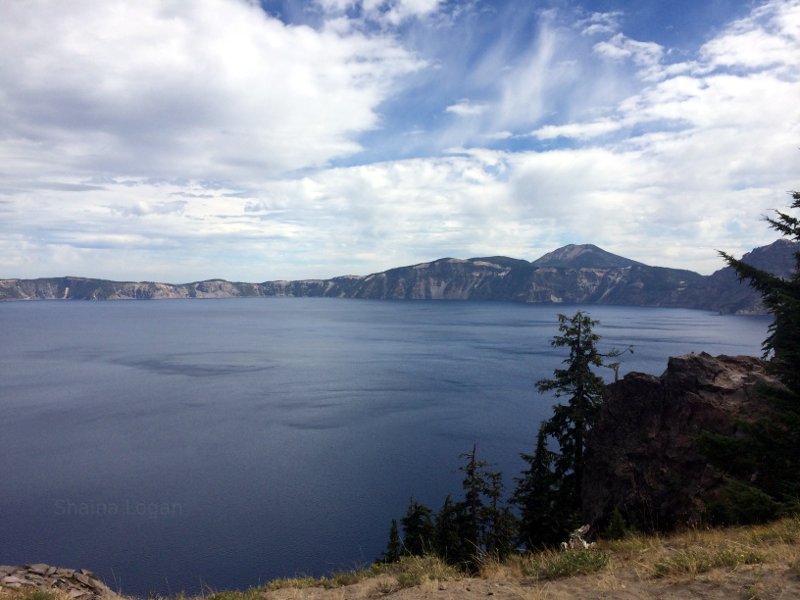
(173, 444)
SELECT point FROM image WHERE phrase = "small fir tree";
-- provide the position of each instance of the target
(451, 534)
(419, 532)
(475, 487)
(394, 547)
(501, 524)
(544, 520)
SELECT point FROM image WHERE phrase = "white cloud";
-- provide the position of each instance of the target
(646, 55)
(769, 37)
(580, 131)
(389, 13)
(600, 23)
(207, 89)
(465, 108)
(146, 141)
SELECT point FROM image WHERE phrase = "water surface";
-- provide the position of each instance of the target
(170, 445)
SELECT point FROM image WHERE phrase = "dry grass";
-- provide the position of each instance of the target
(27, 593)
(410, 571)
(553, 564)
(743, 562)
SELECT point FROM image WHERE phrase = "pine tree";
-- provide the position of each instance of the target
(463, 532)
(475, 487)
(451, 534)
(480, 524)
(763, 465)
(782, 299)
(544, 520)
(549, 493)
(419, 532)
(501, 524)
(584, 391)
(394, 547)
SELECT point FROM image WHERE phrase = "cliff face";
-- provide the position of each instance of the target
(573, 274)
(643, 457)
(80, 288)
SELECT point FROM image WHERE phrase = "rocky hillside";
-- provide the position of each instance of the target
(643, 456)
(579, 274)
(723, 290)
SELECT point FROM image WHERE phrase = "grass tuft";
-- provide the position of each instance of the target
(296, 583)
(698, 559)
(28, 593)
(248, 594)
(552, 564)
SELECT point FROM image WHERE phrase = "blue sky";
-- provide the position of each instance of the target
(177, 141)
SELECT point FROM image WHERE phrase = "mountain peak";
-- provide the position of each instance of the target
(578, 256)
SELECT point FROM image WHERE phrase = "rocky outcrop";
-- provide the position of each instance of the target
(574, 274)
(76, 585)
(643, 454)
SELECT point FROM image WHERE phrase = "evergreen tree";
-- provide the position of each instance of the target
(394, 547)
(419, 532)
(451, 534)
(501, 525)
(763, 466)
(549, 492)
(465, 531)
(475, 487)
(544, 520)
(584, 391)
(782, 299)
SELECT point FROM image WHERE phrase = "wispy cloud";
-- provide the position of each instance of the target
(465, 108)
(600, 23)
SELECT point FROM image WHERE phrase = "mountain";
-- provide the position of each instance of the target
(574, 274)
(728, 295)
(584, 256)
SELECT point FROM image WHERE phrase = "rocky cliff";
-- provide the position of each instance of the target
(574, 274)
(67, 583)
(81, 288)
(643, 456)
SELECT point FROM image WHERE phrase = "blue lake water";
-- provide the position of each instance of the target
(190, 444)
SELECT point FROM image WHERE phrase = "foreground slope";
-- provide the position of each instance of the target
(725, 564)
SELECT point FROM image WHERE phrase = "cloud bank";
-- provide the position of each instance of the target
(181, 141)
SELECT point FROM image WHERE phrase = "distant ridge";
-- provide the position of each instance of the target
(573, 274)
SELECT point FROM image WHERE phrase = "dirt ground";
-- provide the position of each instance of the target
(745, 582)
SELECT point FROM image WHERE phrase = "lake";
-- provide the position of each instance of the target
(206, 444)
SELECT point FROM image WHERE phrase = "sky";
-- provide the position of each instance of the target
(178, 141)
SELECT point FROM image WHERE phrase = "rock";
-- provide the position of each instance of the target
(38, 568)
(642, 456)
(81, 584)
